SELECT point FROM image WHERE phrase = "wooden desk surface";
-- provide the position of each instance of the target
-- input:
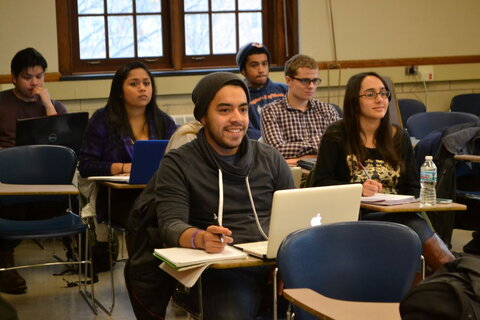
(119, 185)
(328, 309)
(293, 161)
(415, 207)
(242, 263)
(37, 189)
(467, 157)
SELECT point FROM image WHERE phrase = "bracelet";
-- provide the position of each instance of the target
(122, 167)
(192, 241)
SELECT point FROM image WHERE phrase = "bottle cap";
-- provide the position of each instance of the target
(429, 158)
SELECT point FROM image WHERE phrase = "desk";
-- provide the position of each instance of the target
(467, 157)
(415, 207)
(293, 161)
(119, 186)
(328, 309)
(37, 189)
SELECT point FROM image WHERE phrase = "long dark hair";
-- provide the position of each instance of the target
(386, 144)
(115, 108)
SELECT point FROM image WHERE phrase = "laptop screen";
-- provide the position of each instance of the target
(64, 129)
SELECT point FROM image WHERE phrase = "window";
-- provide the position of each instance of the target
(97, 36)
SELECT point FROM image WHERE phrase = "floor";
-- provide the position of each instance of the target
(49, 298)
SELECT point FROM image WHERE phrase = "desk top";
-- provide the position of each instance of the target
(242, 263)
(37, 189)
(467, 157)
(293, 161)
(415, 207)
(119, 185)
(328, 309)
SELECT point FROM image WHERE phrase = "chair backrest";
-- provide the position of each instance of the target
(469, 102)
(370, 261)
(37, 164)
(338, 109)
(421, 124)
(409, 107)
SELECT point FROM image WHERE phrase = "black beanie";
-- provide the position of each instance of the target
(207, 88)
(248, 49)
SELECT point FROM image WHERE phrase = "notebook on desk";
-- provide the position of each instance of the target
(147, 155)
(296, 209)
(63, 129)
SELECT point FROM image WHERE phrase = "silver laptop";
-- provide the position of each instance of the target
(296, 209)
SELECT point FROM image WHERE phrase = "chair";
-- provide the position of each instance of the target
(421, 124)
(338, 109)
(409, 107)
(368, 261)
(43, 165)
(469, 103)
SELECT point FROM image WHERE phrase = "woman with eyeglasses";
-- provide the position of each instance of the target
(365, 148)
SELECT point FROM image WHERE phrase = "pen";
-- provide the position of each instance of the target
(365, 171)
(215, 222)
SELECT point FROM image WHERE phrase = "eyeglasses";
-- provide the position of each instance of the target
(306, 81)
(373, 95)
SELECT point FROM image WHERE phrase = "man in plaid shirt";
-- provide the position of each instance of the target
(295, 123)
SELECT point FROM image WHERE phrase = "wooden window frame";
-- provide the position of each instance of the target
(282, 46)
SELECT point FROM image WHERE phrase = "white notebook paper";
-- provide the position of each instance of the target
(388, 199)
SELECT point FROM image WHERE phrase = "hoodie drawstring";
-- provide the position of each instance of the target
(252, 204)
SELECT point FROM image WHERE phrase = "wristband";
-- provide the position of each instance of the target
(192, 242)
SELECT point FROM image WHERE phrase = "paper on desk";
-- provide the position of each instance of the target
(388, 199)
(188, 276)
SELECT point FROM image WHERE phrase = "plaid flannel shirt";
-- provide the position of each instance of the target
(293, 132)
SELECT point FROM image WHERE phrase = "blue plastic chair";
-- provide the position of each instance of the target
(47, 165)
(368, 261)
(469, 103)
(409, 107)
(421, 124)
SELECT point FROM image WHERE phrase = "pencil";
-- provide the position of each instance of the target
(365, 171)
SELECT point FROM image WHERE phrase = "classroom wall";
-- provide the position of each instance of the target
(433, 28)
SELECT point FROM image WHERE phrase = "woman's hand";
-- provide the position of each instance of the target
(370, 187)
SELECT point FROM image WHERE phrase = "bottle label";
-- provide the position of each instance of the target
(428, 176)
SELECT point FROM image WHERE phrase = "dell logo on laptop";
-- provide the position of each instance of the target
(52, 137)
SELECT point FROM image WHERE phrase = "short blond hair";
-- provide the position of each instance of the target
(299, 61)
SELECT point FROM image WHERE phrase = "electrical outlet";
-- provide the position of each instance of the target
(426, 72)
(411, 71)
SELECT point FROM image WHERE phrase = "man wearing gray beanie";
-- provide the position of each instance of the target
(200, 198)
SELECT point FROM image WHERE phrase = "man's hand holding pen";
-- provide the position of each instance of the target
(216, 238)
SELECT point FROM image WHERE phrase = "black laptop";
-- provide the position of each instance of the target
(63, 129)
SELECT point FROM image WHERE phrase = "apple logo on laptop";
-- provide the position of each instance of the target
(316, 220)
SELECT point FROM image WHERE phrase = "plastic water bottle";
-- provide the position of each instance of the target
(428, 179)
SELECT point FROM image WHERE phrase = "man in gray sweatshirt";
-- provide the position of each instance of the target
(217, 172)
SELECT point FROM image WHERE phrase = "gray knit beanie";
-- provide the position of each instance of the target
(207, 88)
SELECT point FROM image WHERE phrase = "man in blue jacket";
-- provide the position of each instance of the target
(253, 60)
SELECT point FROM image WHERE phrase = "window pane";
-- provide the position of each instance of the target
(149, 36)
(249, 4)
(223, 33)
(148, 6)
(250, 27)
(223, 5)
(119, 6)
(195, 5)
(89, 6)
(92, 38)
(120, 37)
(197, 34)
